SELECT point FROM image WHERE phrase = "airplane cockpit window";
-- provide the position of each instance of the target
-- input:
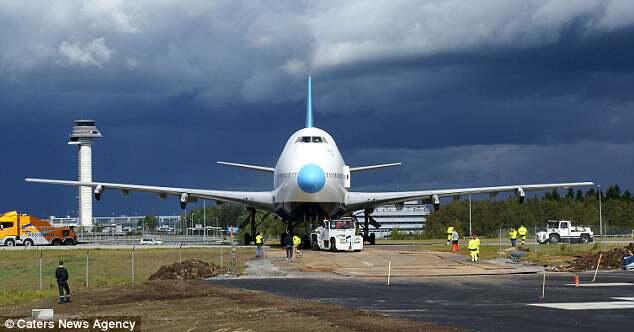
(310, 139)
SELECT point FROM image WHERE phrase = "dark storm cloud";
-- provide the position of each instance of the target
(465, 93)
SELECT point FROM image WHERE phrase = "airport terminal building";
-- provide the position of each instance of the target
(410, 219)
(119, 224)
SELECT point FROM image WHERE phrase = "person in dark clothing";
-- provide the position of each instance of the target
(61, 274)
(288, 244)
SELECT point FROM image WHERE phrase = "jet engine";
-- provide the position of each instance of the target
(98, 192)
(521, 195)
(184, 200)
(435, 200)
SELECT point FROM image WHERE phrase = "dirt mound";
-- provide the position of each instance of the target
(611, 259)
(190, 269)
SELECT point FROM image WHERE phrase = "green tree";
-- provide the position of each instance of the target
(570, 194)
(148, 223)
(579, 196)
(613, 192)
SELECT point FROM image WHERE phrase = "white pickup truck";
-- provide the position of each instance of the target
(336, 235)
(563, 231)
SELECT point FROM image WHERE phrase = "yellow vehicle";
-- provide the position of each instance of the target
(22, 229)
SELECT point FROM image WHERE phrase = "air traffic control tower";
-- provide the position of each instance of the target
(84, 131)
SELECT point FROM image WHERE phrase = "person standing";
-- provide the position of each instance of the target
(513, 236)
(522, 231)
(474, 248)
(259, 241)
(61, 274)
(449, 232)
(455, 239)
(296, 242)
(288, 245)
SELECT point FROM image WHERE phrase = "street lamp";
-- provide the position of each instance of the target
(600, 216)
(470, 232)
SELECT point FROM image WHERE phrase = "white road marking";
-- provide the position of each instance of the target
(586, 305)
(604, 284)
(367, 263)
(624, 298)
(400, 310)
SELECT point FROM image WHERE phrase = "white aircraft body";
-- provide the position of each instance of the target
(310, 180)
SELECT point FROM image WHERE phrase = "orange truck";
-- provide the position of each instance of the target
(22, 229)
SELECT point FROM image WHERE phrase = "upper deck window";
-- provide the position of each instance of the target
(85, 123)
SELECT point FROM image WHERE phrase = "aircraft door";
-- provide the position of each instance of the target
(346, 175)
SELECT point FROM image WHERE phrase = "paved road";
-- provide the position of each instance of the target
(486, 303)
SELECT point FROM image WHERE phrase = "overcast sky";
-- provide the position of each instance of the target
(464, 93)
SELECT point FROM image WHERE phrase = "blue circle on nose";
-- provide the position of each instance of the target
(311, 178)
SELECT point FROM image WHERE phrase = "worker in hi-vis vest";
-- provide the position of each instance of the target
(513, 236)
(522, 231)
(296, 242)
(474, 248)
(449, 233)
(259, 241)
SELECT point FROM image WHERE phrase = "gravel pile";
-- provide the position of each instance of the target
(190, 269)
(610, 260)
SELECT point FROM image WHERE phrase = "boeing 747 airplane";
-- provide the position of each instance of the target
(310, 180)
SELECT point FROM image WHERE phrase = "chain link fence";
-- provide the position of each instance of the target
(30, 272)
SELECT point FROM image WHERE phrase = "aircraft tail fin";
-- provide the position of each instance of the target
(309, 105)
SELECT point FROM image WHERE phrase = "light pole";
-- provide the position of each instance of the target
(205, 219)
(600, 216)
(470, 232)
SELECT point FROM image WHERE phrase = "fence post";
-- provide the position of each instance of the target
(133, 265)
(87, 253)
(499, 252)
(233, 258)
(544, 286)
(180, 255)
(40, 269)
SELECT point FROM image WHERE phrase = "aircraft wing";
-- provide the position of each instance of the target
(366, 200)
(257, 199)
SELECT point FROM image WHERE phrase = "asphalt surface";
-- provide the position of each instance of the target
(482, 303)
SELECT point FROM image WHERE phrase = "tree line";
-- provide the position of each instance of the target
(582, 208)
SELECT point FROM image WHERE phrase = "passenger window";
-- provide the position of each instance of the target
(317, 139)
(6, 224)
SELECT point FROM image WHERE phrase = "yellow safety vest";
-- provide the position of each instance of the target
(513, 234)
(522, 230)
(258, 239)
(449, 230)
(474, 244)
(296, 240)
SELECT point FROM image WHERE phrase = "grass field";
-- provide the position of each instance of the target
(20, 269)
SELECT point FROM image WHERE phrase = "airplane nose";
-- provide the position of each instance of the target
(311, 178)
